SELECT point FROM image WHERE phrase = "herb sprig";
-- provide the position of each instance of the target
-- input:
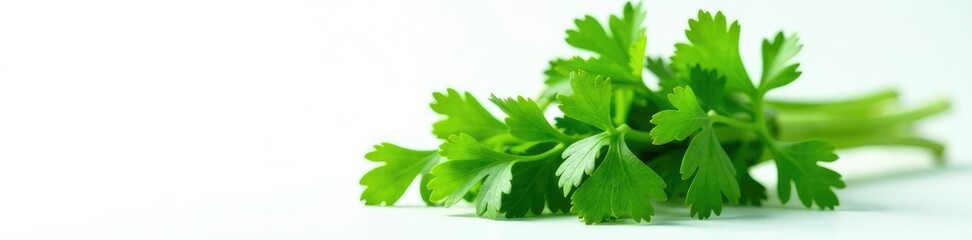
(621, 144)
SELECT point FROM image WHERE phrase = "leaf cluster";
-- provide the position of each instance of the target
(622, 145)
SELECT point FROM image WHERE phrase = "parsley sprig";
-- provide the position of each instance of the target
(621, 145)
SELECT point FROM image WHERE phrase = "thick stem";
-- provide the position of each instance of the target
(865, 101)
(634, 134)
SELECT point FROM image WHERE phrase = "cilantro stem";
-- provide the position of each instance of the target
(798, 126)
(865, 101)
(634, 134)
(937, 149)
(731, 121)
(762, 132)
(556, 150)
(543, 103)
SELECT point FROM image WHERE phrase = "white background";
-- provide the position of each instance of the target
(249, 119)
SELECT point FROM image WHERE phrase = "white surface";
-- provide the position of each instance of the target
(249, 119)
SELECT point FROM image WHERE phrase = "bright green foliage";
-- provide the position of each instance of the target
(591, 101)
(599, 66)
(526, 121)
(744, 155)
(464, 115)
(535, 186)
(678, 124)
(469, 162)
(620, 145)
(797, 163)
(580, 158)
(571, 126)
(704, 158)
(624, 47)
(714, 175)
(388, 182)
(714, 45)
(620, 48)
(777, 56)
(620, 187)
(709, 86)
(666, 80)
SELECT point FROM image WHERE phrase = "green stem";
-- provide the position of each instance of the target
(884, 95)
(798, 127)
(731, 121)
(937, 149)
(919, 113)
(543, 103)
(762, 132)
(544, 155)
(634, 134)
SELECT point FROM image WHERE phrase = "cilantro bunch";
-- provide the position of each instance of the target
(621, 145)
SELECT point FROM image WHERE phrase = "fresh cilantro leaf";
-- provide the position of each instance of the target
(746, 154)
(388, 182)
(661, 69)
(714, 175)
(558, 83)
(591, 101)
(573, 127)
(678, 124)
(668, 165)
(424, 190)
(620, 52)
(778, 69)
(797, 163)
(714, 45)
(583, 165)
(596, 66)
(709, 86)
(469, 162)
(629, 29)
(580, 159)
(534, 186)
(464, 115)
(620, 187)
(704, 158)
(591, 36)
(526, 120)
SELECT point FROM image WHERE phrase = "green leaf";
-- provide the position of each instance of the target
(469, 162)
(714, 45)
(637, 54)
(714, 175)
(778, 67)
(621, 51)
(629, 29)
(796, 163)
(534, 186)
(661, 69)
(388, 182)
(620, 187)
(526, 120)
(424, 190)
(558, 83)
(589, 35)
(597, 66)
(751, 191)
(463, 115)
(573, 127)
(580, 159)
(709, 86)
(678, 124)
(746, 154)
(667, 166)
(591, 101)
